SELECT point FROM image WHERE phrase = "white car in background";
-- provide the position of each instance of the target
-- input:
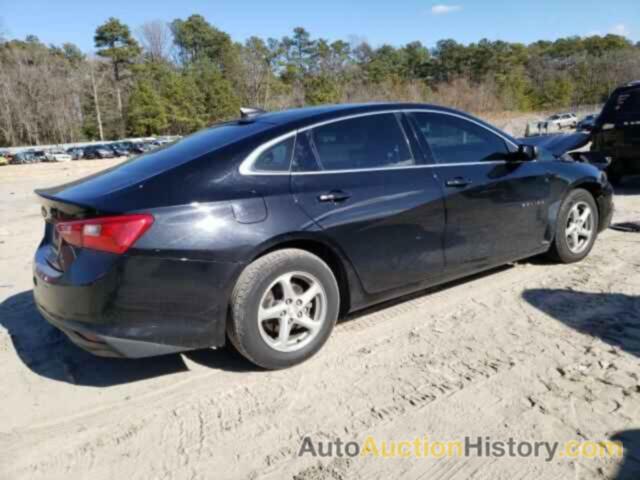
(57, 155)
(562, 120)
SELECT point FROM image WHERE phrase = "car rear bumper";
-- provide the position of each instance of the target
(135, 306)
(106, 346)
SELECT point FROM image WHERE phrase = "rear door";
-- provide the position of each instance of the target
(361, 181)
(496, 208)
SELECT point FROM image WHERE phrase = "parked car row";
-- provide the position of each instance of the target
(89, 152)
(27, 156)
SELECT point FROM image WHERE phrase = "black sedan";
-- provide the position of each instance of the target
(119, 149)
(97, 152)
(267, 229)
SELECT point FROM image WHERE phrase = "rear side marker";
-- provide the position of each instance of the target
(108, 234)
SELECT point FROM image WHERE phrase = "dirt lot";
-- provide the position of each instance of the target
(533, 351)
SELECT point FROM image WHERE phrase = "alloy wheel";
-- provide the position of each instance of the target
(292, 311)
(580, 227)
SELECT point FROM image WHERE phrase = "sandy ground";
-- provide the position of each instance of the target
(533, 351)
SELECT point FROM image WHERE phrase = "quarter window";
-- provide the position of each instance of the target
(372, 141)
(629, 102)
(276, 158)
(455, 140)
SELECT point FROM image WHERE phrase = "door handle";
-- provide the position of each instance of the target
(334, 196)
(458, 182)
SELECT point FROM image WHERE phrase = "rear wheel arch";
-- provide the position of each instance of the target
(338, 264)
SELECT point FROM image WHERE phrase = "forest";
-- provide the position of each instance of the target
(174, 78)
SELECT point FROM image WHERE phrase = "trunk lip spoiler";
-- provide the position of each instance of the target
(50, 202)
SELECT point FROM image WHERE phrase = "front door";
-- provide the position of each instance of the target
(496, 206)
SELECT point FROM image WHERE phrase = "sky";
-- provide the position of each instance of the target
(394, 22)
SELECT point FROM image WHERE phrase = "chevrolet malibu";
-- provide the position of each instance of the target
(265, 230)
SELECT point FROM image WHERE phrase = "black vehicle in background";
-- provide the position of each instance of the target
(264, 230)
(616, 133)
(587, 122)
(97, 152)
(148, 146)
(119, 149)
(38, 155)
(134, 148)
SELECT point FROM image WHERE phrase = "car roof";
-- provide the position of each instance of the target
(301, 117)
(630, 85)
(319, 113)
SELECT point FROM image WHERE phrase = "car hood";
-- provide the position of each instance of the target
(558, 144)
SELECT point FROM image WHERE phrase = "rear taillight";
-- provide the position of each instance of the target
(108, 234)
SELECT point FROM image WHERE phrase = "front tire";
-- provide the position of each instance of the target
(576, 227)
(283, 308)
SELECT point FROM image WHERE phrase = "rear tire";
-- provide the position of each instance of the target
(283, 308)
(576, 227)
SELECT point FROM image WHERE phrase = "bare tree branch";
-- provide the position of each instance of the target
(156, 40)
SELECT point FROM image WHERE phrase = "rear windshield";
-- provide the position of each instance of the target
(182, 151)
(153, 163)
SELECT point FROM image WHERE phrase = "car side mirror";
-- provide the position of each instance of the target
(526, 152)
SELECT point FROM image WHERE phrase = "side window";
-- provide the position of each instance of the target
(629, 102)
(372, 141)
(276, 158)
(304, 157)
(456, 140)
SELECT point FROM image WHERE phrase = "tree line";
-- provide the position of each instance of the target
(178, 77)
